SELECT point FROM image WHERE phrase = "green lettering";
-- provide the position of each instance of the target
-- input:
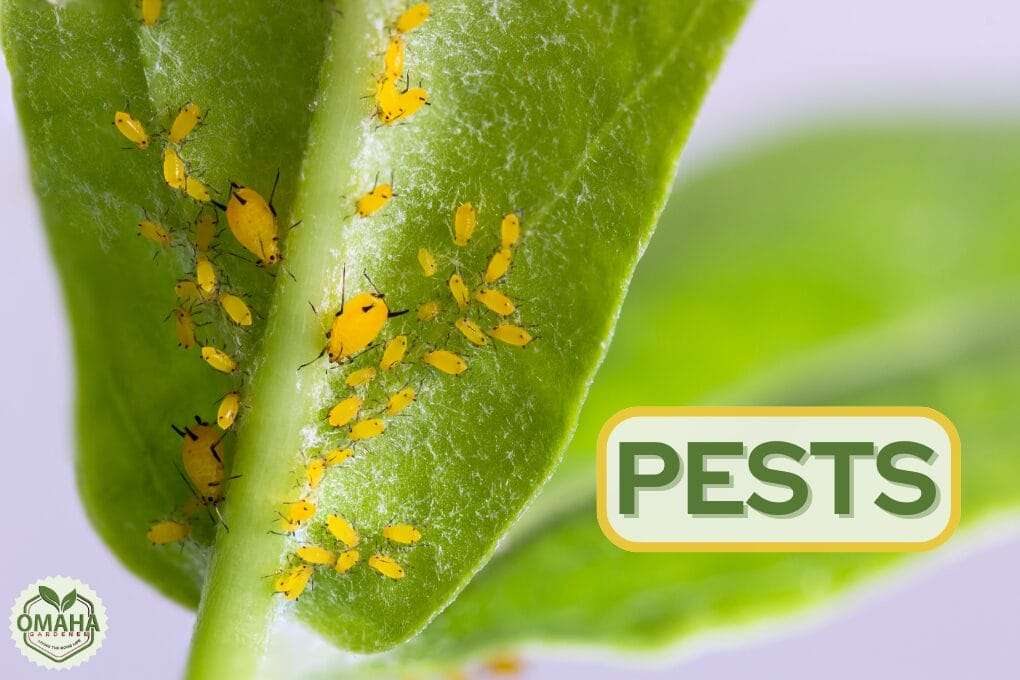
(927, 491)
(631, 480)
(842, 454)
(698, 477)
(799, 491)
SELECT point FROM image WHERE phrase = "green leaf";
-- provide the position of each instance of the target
(844, 284)
(68, 600)
(575, 119)
(49, 596)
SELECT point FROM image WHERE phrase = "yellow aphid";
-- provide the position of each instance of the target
(366, 429)
(464, 221)
(394, 352)
(155, 233)
(252, 221)
(413, 17)
(205, 230)
(459, 290)
(288, 526)
(393, 61)
(495, 301)
(227, 412)
(387, 566)
(236, 309)
(187, 291)
(168, 531)
(314, 472)
(342, 530)
(300, 511)
(404, 534)
(186, 120)
(345, 411)
(132, 129)
(337, 456)
(498, 265)
(196, 190)
(360, 377)
(472, 331)
(294, 581)
(387, 99)
(219, 359)
(504, 665)
(347, 560)
(313, 554)
(356, 325)
(511, 335)
(428, 310)
(427, 261)
(202, 462)
(445, 361)
(374, 201)
(205, 276)
(175, 173)
(399, 401)
(509, 230)
(151, 9)
(184, 326)
(408, 103)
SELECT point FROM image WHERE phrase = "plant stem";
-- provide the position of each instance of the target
(237, 604)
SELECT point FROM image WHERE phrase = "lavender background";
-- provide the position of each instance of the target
(795, 61)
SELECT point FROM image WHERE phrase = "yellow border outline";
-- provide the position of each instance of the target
(758, 411)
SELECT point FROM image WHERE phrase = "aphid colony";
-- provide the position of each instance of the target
(394, 104)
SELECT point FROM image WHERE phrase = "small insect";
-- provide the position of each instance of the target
(472, 331)
(413, 17)
(287, 526)
(184, 326)
(151, 9)
(504, 665)
(175, 173)
(394, 352)
(398, 401)
(132, 129)
(404, 534)
(498, 265)
(366, 429)
(218, 359)
(387, 566)
(293, 582)
(509, 230)
(428, 310)
(408, 103)
(205, 276)
(252, 221)
(154, 232)
(347, 560)
(205, 230)
(299, 511)
(427, 262)
(393, 61)
(313, 554)
(187, 118)
(345, 411)
(511, 335)
(227, 412)
(464, 221)
(202, 461)
(387, 100)
(445, 361)
(358, 323)
(168, 531)
(495, 301)
(314, 472)
(459, 290)
(374, 201)
(236, 309)
(337, 456)
(342, 530)
(196, 190)
(360, 377)
(187, 291)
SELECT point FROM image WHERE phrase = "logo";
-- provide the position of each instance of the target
(781, 479)
(58, 622)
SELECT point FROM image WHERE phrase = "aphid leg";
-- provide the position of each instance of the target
(377, 291)
(317, 357)
(273, 192)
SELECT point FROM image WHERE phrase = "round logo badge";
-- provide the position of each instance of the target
(58, 622)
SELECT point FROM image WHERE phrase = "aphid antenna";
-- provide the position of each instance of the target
(378, 292)
(219, 515)
(288, 272)
(272, 193)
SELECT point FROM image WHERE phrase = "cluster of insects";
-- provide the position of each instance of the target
(383, 367)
